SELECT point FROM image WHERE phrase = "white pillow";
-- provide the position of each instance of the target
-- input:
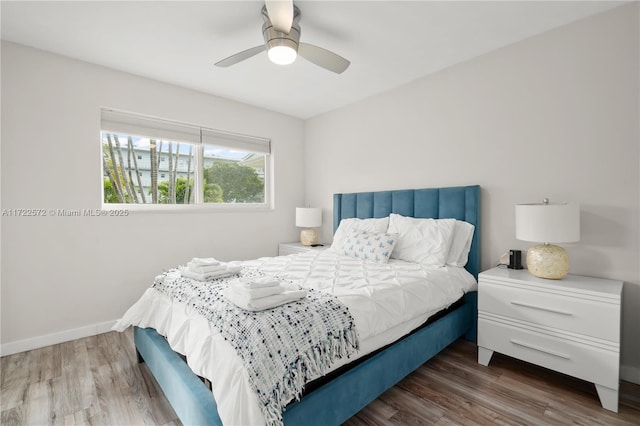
(378, 226)
(370, 246)
(460, 244)
(423, 241)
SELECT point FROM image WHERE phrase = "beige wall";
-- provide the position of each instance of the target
(64, 277)
(553, 116)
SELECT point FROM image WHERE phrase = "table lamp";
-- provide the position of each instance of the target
(548, 223)
(308, 218)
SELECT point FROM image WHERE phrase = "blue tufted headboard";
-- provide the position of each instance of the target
(460, 202)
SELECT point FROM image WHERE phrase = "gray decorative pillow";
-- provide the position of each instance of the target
(369, 246)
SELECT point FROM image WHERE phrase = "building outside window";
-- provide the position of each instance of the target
(149, 161)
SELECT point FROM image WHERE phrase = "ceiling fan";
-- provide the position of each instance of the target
(281, 32)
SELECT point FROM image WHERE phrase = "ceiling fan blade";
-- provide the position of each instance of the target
(280, 14)
(323, 58)
(241, 56)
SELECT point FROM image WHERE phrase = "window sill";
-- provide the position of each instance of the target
(181, 208)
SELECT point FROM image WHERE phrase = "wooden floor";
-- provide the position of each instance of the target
(96, 380)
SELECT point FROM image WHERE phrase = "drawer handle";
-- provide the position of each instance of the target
(542, 308)
(539, 349)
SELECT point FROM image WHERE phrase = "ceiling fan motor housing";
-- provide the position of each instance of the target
(273, 38)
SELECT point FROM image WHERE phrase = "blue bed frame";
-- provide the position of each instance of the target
(344, 396)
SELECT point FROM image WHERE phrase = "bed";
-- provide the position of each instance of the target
(350, 388)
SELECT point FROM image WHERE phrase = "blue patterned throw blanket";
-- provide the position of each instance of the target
(282, 348)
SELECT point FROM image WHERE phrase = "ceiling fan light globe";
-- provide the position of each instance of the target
(282, 55)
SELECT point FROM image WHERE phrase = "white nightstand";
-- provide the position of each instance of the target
(291, 248)
(570, 325)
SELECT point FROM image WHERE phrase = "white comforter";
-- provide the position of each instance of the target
(386, 301)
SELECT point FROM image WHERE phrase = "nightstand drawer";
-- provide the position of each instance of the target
(573, 314)
(594, 364)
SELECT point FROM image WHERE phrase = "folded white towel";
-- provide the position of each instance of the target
(259, 282)
(263, 303)
(256, 293)
(193, 267)
(204, 261)
(185, 272)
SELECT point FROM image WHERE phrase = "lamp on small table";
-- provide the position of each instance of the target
(548, 223)
(308, 218)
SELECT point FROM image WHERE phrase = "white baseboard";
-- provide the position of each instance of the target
(55, 338)
(630, 374)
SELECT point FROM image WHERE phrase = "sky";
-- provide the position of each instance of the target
(209, 150)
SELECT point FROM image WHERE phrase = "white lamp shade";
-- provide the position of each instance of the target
(308, 217)
(548, 223)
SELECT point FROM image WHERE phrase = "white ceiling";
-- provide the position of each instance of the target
(389, 43)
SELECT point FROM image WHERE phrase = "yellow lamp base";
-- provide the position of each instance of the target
(548, 261)
(308, 236)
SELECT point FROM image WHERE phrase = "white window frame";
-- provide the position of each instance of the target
(125, 123)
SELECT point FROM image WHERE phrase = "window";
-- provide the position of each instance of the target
(150, 161)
